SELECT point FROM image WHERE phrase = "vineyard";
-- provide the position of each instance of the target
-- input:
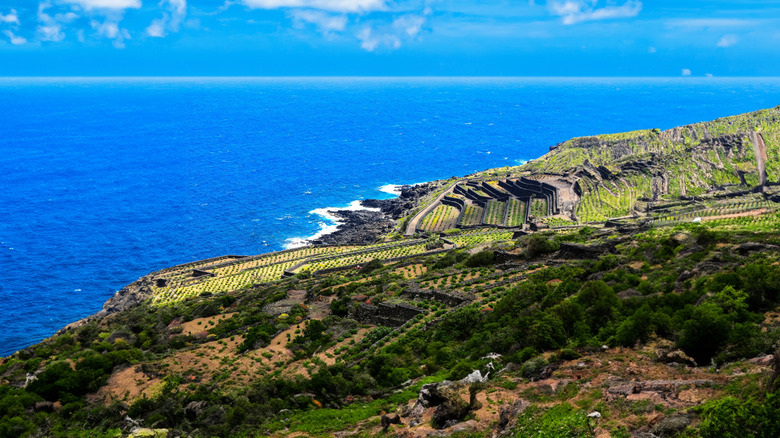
(472, 215)
(754, 207)
(516, 215)
(364, 257)
(240, 273)
(495, 212)
(473, 239)
(240, 280)
(443, 217)
(538, 207)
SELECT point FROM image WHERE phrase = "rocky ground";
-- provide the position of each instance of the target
(364, 226)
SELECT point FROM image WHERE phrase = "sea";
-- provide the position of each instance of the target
(104, 180)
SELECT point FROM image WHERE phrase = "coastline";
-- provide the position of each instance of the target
(363, 221)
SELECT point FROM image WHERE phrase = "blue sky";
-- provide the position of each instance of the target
(389, 38)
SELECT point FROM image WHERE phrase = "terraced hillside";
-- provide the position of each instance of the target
(662, 318)
(621, 174)
(602, 177)
(508, 203)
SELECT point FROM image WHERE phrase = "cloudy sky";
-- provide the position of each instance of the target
(388, 38)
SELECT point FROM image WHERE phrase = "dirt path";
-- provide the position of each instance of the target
(758, 212)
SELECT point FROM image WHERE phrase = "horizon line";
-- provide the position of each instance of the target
(378, 77)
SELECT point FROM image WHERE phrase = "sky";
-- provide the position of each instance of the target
(665, 38)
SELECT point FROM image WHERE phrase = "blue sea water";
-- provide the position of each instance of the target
(105, 180)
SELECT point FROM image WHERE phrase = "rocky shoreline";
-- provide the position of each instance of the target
(357, 227)
(366, 226)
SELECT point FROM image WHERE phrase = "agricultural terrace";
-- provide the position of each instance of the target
(226, 275)
(443, 217)
(516, 212)
(472, 215)
(538, 207)
(475, 239)
(364, 257)
(495, 213)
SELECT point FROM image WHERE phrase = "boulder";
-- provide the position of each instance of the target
(432, 394)
(388, 419)
(678, 357)
(507, 415)
(475, 377)
(453, 408)
(671, 426)
(447, 399)
(44, 406)
(194, 409)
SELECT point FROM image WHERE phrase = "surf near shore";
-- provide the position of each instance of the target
(364, 221)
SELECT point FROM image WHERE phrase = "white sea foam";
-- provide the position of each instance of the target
(393, 189)
(328, 225)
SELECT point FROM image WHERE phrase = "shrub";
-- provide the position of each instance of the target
(538, 245)
(482, 258)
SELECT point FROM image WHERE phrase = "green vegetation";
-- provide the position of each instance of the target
(472, 215)
(566, 321)
(442, 217)
(495, 213)
(516, 215)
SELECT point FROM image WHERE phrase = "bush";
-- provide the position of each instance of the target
(533, 368)
(371, 266)
(482, 258)
(704, 333)
(560, 421)
(538, 245)
(446, 261)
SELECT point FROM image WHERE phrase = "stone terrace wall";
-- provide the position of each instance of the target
(391, 315)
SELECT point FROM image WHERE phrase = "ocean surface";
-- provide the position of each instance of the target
(105, 180)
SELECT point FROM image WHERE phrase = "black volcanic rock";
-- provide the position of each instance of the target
(358, 227)
(364, 226)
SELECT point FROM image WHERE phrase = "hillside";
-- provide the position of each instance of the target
(620, 285)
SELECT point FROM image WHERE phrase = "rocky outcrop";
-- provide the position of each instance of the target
(507, 416)
(449, 400)
(365, 226)
(407, 201)
(358, 227)
(128, 297)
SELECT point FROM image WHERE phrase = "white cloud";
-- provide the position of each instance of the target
(371, 40)
(325, 23)
(652, 49)
(405, 27)
(713, 22)
(49, 29)
(578, 11)
(685, 72)
(11, 18)
(66, 18)
(111, 30)
(325, 5)
(105, 4)
(157, 28)
(51, 33)
(175, 12)
(15, 39)
(728, 40)
(410, 24)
